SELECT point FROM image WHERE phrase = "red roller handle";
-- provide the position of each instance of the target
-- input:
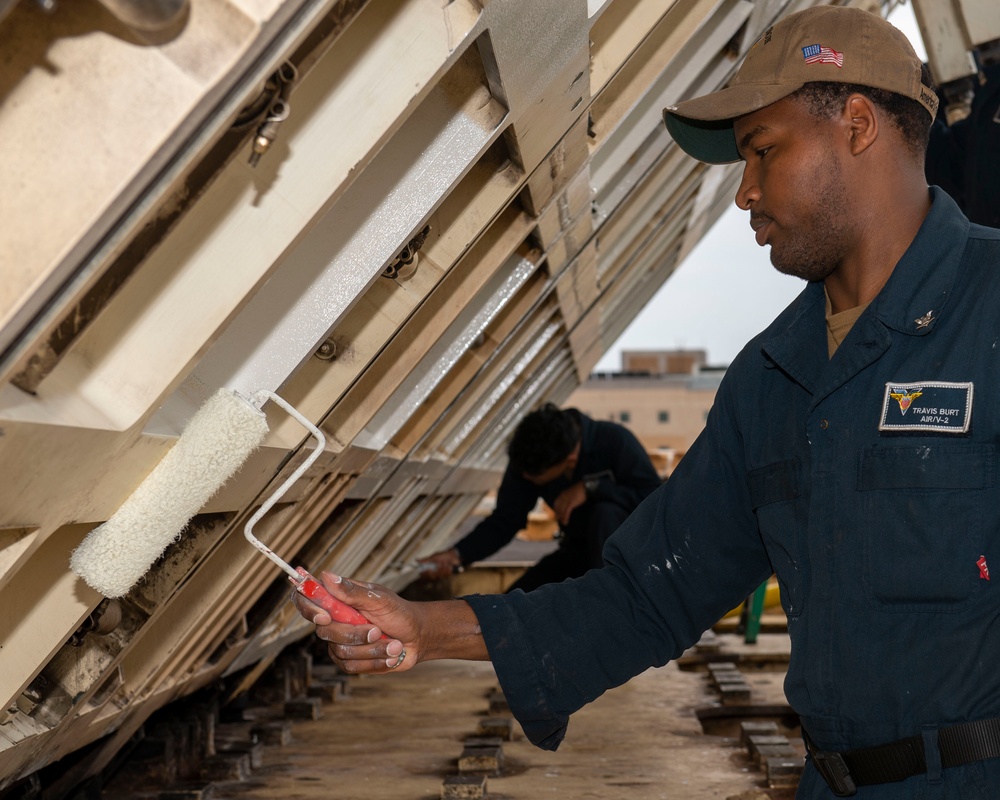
(339, 611)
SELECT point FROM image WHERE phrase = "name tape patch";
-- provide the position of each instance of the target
(936, 406)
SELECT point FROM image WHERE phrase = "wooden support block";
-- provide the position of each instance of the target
(237, 712)
(203, 719)
(784, 770)
(498, 703)
(304, 708)
(345, 684)
(181, 744)
(497, 726)
(481, 759)
(226, 767)
(722, 667)
(757, 739)
(725, 678)
(463, 786)
(297, 669)
(329, 675)
(756, 728)
(482, 741)
(326, 672)
(276, 732)
(228, 733)
(736, 693)
(189, 791)
(253, 750)
(764, 752)
(327, 692)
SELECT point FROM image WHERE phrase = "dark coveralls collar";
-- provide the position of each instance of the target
(912, 302)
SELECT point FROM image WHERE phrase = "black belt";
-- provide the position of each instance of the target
(896, 761)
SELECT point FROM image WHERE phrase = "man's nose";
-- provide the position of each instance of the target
(748, 192)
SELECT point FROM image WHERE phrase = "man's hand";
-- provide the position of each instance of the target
(569, 500)
(361, 648)
(441, 565)
(414, 631)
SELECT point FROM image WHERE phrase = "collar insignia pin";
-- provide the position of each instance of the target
(925, 320)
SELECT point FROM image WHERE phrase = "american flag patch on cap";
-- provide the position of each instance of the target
(817, 54)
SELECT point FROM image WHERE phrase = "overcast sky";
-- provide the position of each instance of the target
(726, 291)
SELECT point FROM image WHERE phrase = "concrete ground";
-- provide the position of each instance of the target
(397, 737)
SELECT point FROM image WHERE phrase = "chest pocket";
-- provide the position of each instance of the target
(923, 534)
(773, 490)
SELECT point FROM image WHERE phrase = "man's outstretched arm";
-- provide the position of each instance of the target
(425, 630)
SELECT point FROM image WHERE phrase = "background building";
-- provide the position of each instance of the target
(662, 396)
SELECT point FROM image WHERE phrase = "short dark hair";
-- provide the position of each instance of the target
(542, 439)
(826, 99)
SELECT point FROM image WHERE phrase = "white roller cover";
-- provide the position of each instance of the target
(213, 446)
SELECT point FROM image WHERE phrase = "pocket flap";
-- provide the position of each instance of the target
(927, 467)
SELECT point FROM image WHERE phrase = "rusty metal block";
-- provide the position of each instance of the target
(483, 741)
(497, 726)
(463, 786)
(481, 759)
(498, 703)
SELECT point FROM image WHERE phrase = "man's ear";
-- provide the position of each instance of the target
(862, 119)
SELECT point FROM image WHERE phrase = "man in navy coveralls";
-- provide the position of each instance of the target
(852, 449)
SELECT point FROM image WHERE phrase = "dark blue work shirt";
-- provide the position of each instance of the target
(611, 457)
(867, 482)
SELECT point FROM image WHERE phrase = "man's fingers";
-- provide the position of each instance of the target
(310, 610)
(380, 657)
(357, 594)
(341, 588)
(347, 634)
(362, 647)
(366, 652)
(328, 630)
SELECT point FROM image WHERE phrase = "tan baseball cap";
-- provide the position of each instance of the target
(822, 43)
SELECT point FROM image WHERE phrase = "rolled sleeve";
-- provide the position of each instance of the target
(519, 671)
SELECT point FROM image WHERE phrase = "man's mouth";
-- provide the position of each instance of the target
(759, 223)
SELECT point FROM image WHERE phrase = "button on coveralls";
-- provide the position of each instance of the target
(867, 482)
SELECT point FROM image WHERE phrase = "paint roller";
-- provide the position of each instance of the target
(213, 446)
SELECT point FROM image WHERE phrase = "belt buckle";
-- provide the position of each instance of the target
(835, 772)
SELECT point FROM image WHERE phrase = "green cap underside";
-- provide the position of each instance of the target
(711, 141)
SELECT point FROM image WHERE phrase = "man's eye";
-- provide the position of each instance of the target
(762, 151)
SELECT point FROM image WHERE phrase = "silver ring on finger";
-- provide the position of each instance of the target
(399, 660)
